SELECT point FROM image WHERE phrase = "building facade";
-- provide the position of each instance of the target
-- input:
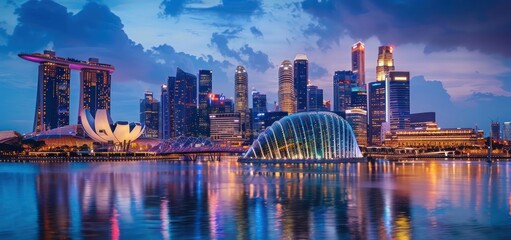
(495, 130)
(357, 118)
(398, 94)
(377, 109)
(506, 131)
(150, 115)
(385, 62)
(301, 78)
(226, 127)
(314, 98)
(343, 83)
(164, 112)
(258, 108)
(358, 63)
(241, 100)
(287, 98)
(185, 104)
(95, 88)
(205, 89)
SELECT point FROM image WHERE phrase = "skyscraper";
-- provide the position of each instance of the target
(358, 99)
(241, 100)
(506, 131)
(385, 62)
(376, 112)
(357, 118)
(226, 127)
(495, 130)
(314, 98)
(398, 94)
(52, 106)
(95, 86)
(170, 121)
(358, 63)
(287, 98)
(205, 89)
(149, 115)
(185, 104)
(343, 82)
(164, 112)
(258, 102)
(301, 78)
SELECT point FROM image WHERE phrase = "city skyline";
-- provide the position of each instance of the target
(468, 98)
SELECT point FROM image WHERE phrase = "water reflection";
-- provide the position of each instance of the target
(398, 200)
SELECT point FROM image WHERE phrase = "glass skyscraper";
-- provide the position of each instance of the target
(343, 83)
(205, 89)
(185, 104)
(377, 111)
(149, 115)
(164, 112)
(398, 95)
(385, 62)
(287, 98)
(506, 131)
(241, 100)
(314, 98)
(301, 78)
(358, 63)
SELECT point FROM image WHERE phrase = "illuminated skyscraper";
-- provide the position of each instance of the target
(357, 118)
(376, 112)
(506, 131)
(95, 86)
(287, 99)
(205, 89)
(398, 111)
(495, 130)
(358, 99)
(258, 102)
(218, 103)
(150, 115)
(241, 100)
(385, 62)
(343, 82)
(164, 112)
(314, 98)
(358, 62)
(171, 85)
(301, 78)
(185, 104)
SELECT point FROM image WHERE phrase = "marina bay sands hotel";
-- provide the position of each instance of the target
(53, 88)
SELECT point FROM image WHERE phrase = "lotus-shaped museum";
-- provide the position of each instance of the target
(102, 130)
(306, 136)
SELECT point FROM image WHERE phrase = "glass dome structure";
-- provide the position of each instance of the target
(306, 136)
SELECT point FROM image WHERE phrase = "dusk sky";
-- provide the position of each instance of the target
(457, 51)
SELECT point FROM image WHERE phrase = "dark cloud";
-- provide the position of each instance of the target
(256, 32)
(246, 55)
(439, 24)
(478, 109)
(227, 8)
(316, 71)
(97, 32)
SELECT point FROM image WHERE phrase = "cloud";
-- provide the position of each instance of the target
(256, 32)
(477, 109)
(439, 24)
(226, 8)
(246, 55)
(316, 71)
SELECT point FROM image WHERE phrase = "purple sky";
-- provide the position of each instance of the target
(457, 51)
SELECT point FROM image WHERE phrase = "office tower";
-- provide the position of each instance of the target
(53, 88)
(357, 118)
(376, 112)
(164, 112)
(258, 102)
(506, 131)
(205, 88)
(170, 121)
(314, 98)
(185, 104)
(226, 127)
(385, 62)
(422, 120)
(495, 130)
(343, 82)
(150, 115)
(358, 63)
(358, 99)
(287, 98)
(95, 86)
(241, 100)
(398, 94)
(301, 78)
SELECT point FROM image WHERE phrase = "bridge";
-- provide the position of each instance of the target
(195, 148)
